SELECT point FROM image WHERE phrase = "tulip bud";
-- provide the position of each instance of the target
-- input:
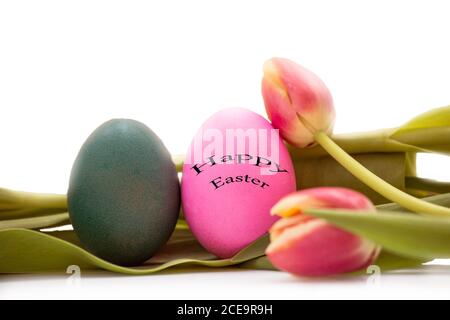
(307, 246)
(297, 102)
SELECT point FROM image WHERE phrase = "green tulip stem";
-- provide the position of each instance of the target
(376, 183)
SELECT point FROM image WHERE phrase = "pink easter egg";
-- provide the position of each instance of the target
(236, 169)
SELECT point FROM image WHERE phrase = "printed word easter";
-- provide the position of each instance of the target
(220, 182)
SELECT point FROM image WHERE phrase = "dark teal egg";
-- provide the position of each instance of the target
(124, 194)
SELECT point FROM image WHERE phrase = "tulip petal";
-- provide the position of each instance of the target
(297, 101)
(304, 245)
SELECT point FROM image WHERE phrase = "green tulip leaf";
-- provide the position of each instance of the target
(28, 251)
(440, 199)
(260, 263)
(47, 221)
(405, 234)
(28, 213)
(388, 261)
(429, 132)
(434, 118)
(19, 204)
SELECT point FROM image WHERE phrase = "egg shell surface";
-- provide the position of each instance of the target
(236, 169)
(124, 193)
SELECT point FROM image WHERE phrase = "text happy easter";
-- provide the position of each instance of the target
(258, 161)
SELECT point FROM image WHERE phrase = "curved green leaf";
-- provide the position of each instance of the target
(19, 204)
(437, 117)
(25, 251)
(406, 234)
(388, 261)
(429, 131)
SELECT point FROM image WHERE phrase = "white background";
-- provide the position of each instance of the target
(68, 66)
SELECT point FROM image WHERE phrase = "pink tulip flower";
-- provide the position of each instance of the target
(307, 246)
(297, 101)
(300, 106)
